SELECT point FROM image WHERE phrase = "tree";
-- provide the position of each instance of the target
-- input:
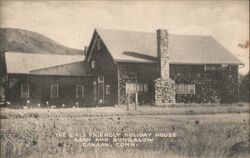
(244, 88)
(244, 80)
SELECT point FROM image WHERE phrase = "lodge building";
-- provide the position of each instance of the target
(161, 68)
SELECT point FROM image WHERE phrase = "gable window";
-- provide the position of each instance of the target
(24, 90)
(92, 64)
(99, 46)
(185, 88)
(107, 89)
(54, 91)
(79, 91)
(100, 79)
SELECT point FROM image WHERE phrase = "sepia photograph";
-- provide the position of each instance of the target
(124, 79)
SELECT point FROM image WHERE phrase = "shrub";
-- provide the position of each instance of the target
(244, 88)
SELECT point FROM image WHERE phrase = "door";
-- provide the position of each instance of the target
(95, 91)
(101, 89)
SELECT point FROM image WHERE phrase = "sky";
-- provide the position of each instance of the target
(72, 23)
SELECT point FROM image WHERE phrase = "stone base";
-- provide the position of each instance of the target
(164, 91)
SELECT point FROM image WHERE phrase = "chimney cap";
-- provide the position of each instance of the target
(165, 30)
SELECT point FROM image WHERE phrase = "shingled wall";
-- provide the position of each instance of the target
(210, 86)
(137, 73)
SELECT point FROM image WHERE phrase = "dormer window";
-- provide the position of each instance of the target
(92, 64)
(99, 46)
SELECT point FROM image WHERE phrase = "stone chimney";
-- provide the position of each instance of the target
(162, 52)
(164, 86)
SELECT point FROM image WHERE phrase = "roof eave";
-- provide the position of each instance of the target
(132, 61)
(50, 74)
(175, 62)
(194, 63)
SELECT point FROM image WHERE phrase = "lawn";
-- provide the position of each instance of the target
(202, 131)
(175, 109)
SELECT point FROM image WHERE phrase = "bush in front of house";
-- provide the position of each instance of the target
(244, 88)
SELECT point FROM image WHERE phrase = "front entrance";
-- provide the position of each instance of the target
(101, 89)
(95, 91)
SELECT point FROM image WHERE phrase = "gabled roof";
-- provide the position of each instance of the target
(46, 64)
(131, 46)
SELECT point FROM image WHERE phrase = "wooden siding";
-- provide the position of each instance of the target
(105, 66)
(39, 89)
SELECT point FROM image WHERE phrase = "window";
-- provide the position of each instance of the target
(54, 91)
(216, 67)
(92, 64)
(99, 46)
(145, 87)
(136, 87)
(107, 89)
(224, 65)
(185, 88)
(100, 79)
(94, 90)
(24, 90)
(130, 88)
(79, 91)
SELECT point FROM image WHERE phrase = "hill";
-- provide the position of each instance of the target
(18, 40)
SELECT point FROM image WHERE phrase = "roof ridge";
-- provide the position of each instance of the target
(54, 66)
(134, 31)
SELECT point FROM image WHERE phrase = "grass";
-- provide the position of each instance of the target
(175, 109)
(204, 133)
